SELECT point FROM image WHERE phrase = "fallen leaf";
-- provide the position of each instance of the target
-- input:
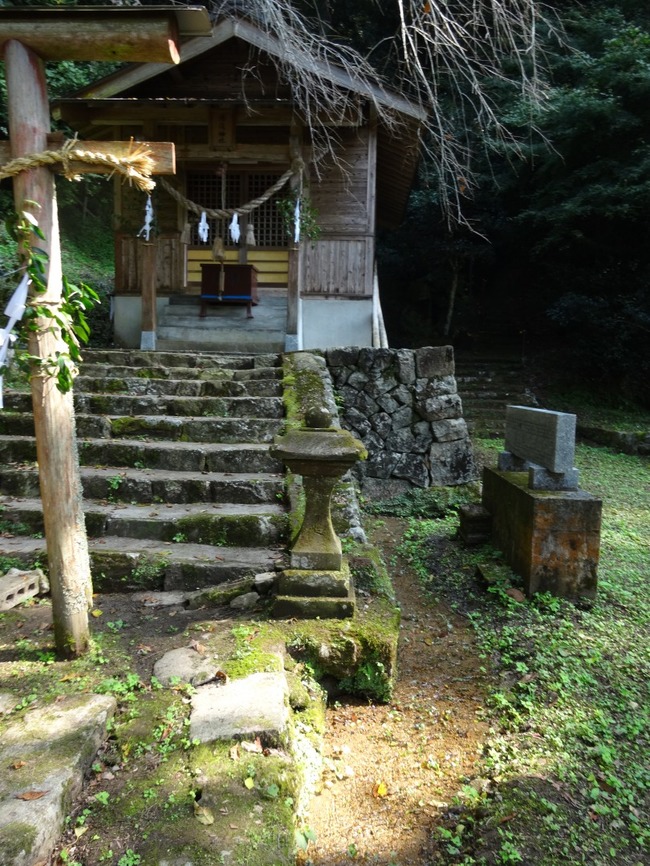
(507, 818)
(233, 826)
(234, 752)
(18, 765)
(31, 795)
(79, 831)
(380, 790)
(202, 814)
(96, 612)
(198, 647)
(249, 782)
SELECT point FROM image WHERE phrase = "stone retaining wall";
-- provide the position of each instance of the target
(403, 405)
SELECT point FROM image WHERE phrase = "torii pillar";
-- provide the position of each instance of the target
(28, 38)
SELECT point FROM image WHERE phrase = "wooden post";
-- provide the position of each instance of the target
(56, 442)
(147, 259)
(295, 258)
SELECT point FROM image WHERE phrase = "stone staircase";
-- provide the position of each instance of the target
(225, 328)
(486, 385)
(180, 491)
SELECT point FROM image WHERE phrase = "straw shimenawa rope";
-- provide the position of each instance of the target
(223, 213)
(136, 167)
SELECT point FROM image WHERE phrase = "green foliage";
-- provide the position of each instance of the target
(568, 708)
(309, 227)
(68, 319)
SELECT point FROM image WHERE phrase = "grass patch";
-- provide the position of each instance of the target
(566, 765)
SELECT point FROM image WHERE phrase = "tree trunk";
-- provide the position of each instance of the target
(56, 443)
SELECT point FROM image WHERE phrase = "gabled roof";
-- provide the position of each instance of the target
(397, 151)
(230, 28)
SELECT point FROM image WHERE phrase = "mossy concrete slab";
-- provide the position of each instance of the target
(43, 758)
(254, 706)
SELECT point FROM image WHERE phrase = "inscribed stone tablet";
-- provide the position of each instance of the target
(541, 436)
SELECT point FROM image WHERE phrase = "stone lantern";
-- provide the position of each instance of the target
(318, 582)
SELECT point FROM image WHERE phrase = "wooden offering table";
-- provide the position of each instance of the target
(239, 286)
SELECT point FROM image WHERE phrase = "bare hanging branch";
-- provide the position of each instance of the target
(445, 53)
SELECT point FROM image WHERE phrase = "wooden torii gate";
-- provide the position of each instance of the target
(28, 37)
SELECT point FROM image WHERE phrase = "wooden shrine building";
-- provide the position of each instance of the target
(237, 133)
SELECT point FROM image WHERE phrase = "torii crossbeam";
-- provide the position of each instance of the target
(27, 39)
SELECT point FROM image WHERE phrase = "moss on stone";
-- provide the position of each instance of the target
(17, 839)
(360, 654)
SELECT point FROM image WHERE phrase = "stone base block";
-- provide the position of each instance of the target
(550, 538)
(321, 584)
(314, 607)
(475, 524)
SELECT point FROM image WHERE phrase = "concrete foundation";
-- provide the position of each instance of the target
(550, 538)
(331, 322)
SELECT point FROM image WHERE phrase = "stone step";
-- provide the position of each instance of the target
(203, 388)
(156, 486)
(106, 370)
(173, 456)
(120, 564)
(236, 360)
(164, 404)
(173, 338)
(218, 524)
(164, 427)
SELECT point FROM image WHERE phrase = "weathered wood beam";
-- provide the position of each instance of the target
(256, 153)
(117, 34)
(162, 152)
(137, 40)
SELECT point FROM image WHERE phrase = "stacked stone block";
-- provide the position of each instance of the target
(404, 406)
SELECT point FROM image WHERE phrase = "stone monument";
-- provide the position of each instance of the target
(546, 527)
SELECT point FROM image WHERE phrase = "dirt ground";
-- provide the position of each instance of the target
(392, 770)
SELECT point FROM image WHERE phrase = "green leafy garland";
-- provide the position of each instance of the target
(68, 318)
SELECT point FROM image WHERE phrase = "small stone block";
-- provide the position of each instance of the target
(303, 607)
(320, 560)
(475, 524)
(17, 586)
(315, 583)
(542, 479)
(255, 706)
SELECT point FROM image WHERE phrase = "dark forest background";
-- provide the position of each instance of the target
(552, 257)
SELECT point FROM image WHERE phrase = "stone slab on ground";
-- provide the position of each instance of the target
(184, 665)
(43, 758)
(254, 706)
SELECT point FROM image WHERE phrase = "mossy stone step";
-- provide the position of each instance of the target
(128, 564)
(156, 485)
(175, 456)
(170, 428)
(202, 360)
(219, 524)
(132, 385)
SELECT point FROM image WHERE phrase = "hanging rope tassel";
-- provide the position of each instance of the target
(186, 234)
(218, 250)
(250, 235)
